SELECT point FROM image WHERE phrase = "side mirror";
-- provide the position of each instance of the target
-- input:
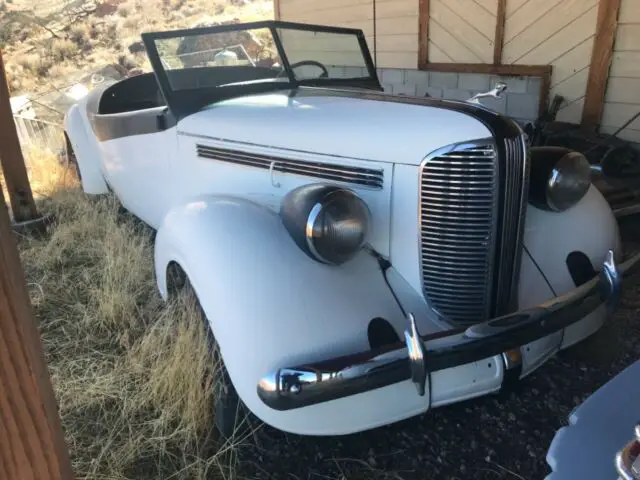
(496, 92)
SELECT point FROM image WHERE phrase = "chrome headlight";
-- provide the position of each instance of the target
(568, 181)
(328, 223)
(559, 178)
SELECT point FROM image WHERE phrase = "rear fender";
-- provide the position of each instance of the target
(86, 149)
(270, 305)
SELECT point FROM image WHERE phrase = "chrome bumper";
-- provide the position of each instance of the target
(420, 355)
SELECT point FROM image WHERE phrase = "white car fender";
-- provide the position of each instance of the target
(86, 149)
(588, 227)
(269, 305)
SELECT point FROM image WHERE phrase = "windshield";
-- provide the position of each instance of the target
(249, 54)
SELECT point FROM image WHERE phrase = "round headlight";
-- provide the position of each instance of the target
(329, 223)
(568, 181)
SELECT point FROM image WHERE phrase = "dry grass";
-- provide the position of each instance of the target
(133, 376)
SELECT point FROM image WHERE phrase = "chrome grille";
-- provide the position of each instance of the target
(459, 193)
(366, 177)
(515, 171)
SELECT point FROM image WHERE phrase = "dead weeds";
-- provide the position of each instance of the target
(133, 376)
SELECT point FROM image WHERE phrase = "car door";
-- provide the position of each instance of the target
(136, 148)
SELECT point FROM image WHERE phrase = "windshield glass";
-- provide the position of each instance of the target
(202, 66)
(314, 54)
(201, 58)
(253, 52)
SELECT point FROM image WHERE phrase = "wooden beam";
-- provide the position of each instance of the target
(545, 88)
(498, 41)
(607, 25)
(423, 32)
(32, 445)
(15, 172)
(505, 70)
(276, 9)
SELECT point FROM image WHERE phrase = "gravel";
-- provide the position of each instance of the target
(501, 436)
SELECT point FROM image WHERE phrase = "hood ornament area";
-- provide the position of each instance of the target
(496, 92)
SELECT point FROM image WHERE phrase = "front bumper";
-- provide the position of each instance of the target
(419, 356)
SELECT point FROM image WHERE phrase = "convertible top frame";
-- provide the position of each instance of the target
(186, 102)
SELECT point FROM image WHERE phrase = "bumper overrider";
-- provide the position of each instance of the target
(420, 355)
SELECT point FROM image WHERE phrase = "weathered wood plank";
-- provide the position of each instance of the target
(33, 445)
(629, 12)
(567, 38)
(600, 62)
(626, 64)
(628, 38)
(13, 167)
(537, 32)
(464, 34)
(623, 90)
(501, 19)
(572, 61)
(424, 8)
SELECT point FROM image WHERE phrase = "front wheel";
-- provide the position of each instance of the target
(231, 417)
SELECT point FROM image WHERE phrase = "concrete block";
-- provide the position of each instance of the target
(388, 87)
(336, 72)
(354, 72)
(514, 84)
(392, 75)
(417, 77)
(433, 92)
(456, 94)
(404, 89)
(443, 80)
(474, 81)
(523, 106)
(533, 85)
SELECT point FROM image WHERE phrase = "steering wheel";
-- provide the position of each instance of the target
(312, 63)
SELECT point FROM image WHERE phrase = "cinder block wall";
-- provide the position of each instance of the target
(520, 101)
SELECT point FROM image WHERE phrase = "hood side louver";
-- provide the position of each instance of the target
(366, 177)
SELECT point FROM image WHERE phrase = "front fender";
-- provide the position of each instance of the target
(87, 151)
(588, 227)
(269, 305)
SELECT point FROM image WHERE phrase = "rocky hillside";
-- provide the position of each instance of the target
(51, 44)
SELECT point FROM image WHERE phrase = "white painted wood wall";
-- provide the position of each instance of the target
(462, 31)
(537, 32)
(554, 32)
(622, 99)
(397, 24)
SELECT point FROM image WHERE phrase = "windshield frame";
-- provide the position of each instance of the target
(188, 101)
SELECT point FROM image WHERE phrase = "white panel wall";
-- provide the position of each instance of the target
(397, 24)
(622, 98)
(462, 31)
(558, 33)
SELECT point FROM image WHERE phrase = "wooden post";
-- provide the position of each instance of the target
(606, 27)
(15, 172)
(423, 33)
(32, 445)
(276, 9)
(498, 41)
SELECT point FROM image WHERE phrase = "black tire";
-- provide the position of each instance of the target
(71, 161)
(231, 418)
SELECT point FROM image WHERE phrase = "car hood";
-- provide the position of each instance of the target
(345, 123)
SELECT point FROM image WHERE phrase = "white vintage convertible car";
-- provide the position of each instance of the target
(360, 257)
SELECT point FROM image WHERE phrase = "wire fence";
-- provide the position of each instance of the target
(40, 136)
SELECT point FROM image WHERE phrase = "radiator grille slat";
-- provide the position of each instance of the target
(472, 205)
(366, 177)
(458, 202)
